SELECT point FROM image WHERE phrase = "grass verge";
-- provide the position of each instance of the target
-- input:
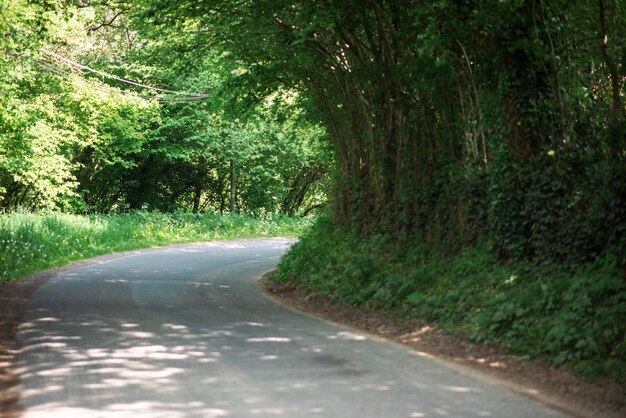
(570, 315)
(33, 242)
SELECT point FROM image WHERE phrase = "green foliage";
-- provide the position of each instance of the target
(30, 242)
(572, 317)
(451, 122)
(71, 141)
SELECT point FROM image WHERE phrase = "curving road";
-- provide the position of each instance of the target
(185, 332)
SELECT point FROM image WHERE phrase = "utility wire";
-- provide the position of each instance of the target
(108, 89)
(179, 96)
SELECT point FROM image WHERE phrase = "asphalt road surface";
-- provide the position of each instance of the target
(185, 332)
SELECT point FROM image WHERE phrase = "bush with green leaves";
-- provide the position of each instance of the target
(569, 316)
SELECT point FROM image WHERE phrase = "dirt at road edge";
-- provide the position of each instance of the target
(555, 387)
(14, 297)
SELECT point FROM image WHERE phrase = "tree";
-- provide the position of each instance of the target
(77, 137)
(449, 120)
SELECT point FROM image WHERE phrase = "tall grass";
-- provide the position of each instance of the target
(33, 242)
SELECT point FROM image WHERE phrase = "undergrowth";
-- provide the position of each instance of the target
(568, 316)
(32, 242)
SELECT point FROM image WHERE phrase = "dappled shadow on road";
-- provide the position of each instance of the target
(244, 368)
(162, 337)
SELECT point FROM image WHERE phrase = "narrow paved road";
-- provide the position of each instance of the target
(185, 332)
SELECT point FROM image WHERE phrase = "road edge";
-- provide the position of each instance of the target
(14, 298)
(319, 308)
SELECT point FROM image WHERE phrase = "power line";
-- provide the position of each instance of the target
(178, 96)
(104, 88)
(122, 80)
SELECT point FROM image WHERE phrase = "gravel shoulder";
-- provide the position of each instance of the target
(556, 387)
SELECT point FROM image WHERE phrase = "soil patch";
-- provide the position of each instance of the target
(556, 387)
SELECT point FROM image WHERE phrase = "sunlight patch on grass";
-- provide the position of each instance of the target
(32, 242)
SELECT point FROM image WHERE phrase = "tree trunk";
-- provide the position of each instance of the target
(232, 186)
(616, 133)
(196, 198)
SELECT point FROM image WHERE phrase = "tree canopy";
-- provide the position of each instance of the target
(449, 120)
(100, 116)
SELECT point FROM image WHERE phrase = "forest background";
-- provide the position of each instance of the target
(467, 158)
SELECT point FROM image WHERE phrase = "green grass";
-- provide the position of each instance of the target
(33, 242)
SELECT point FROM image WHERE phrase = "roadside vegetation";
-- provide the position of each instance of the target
(32, 242)
(567, 316)
(471, 155)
